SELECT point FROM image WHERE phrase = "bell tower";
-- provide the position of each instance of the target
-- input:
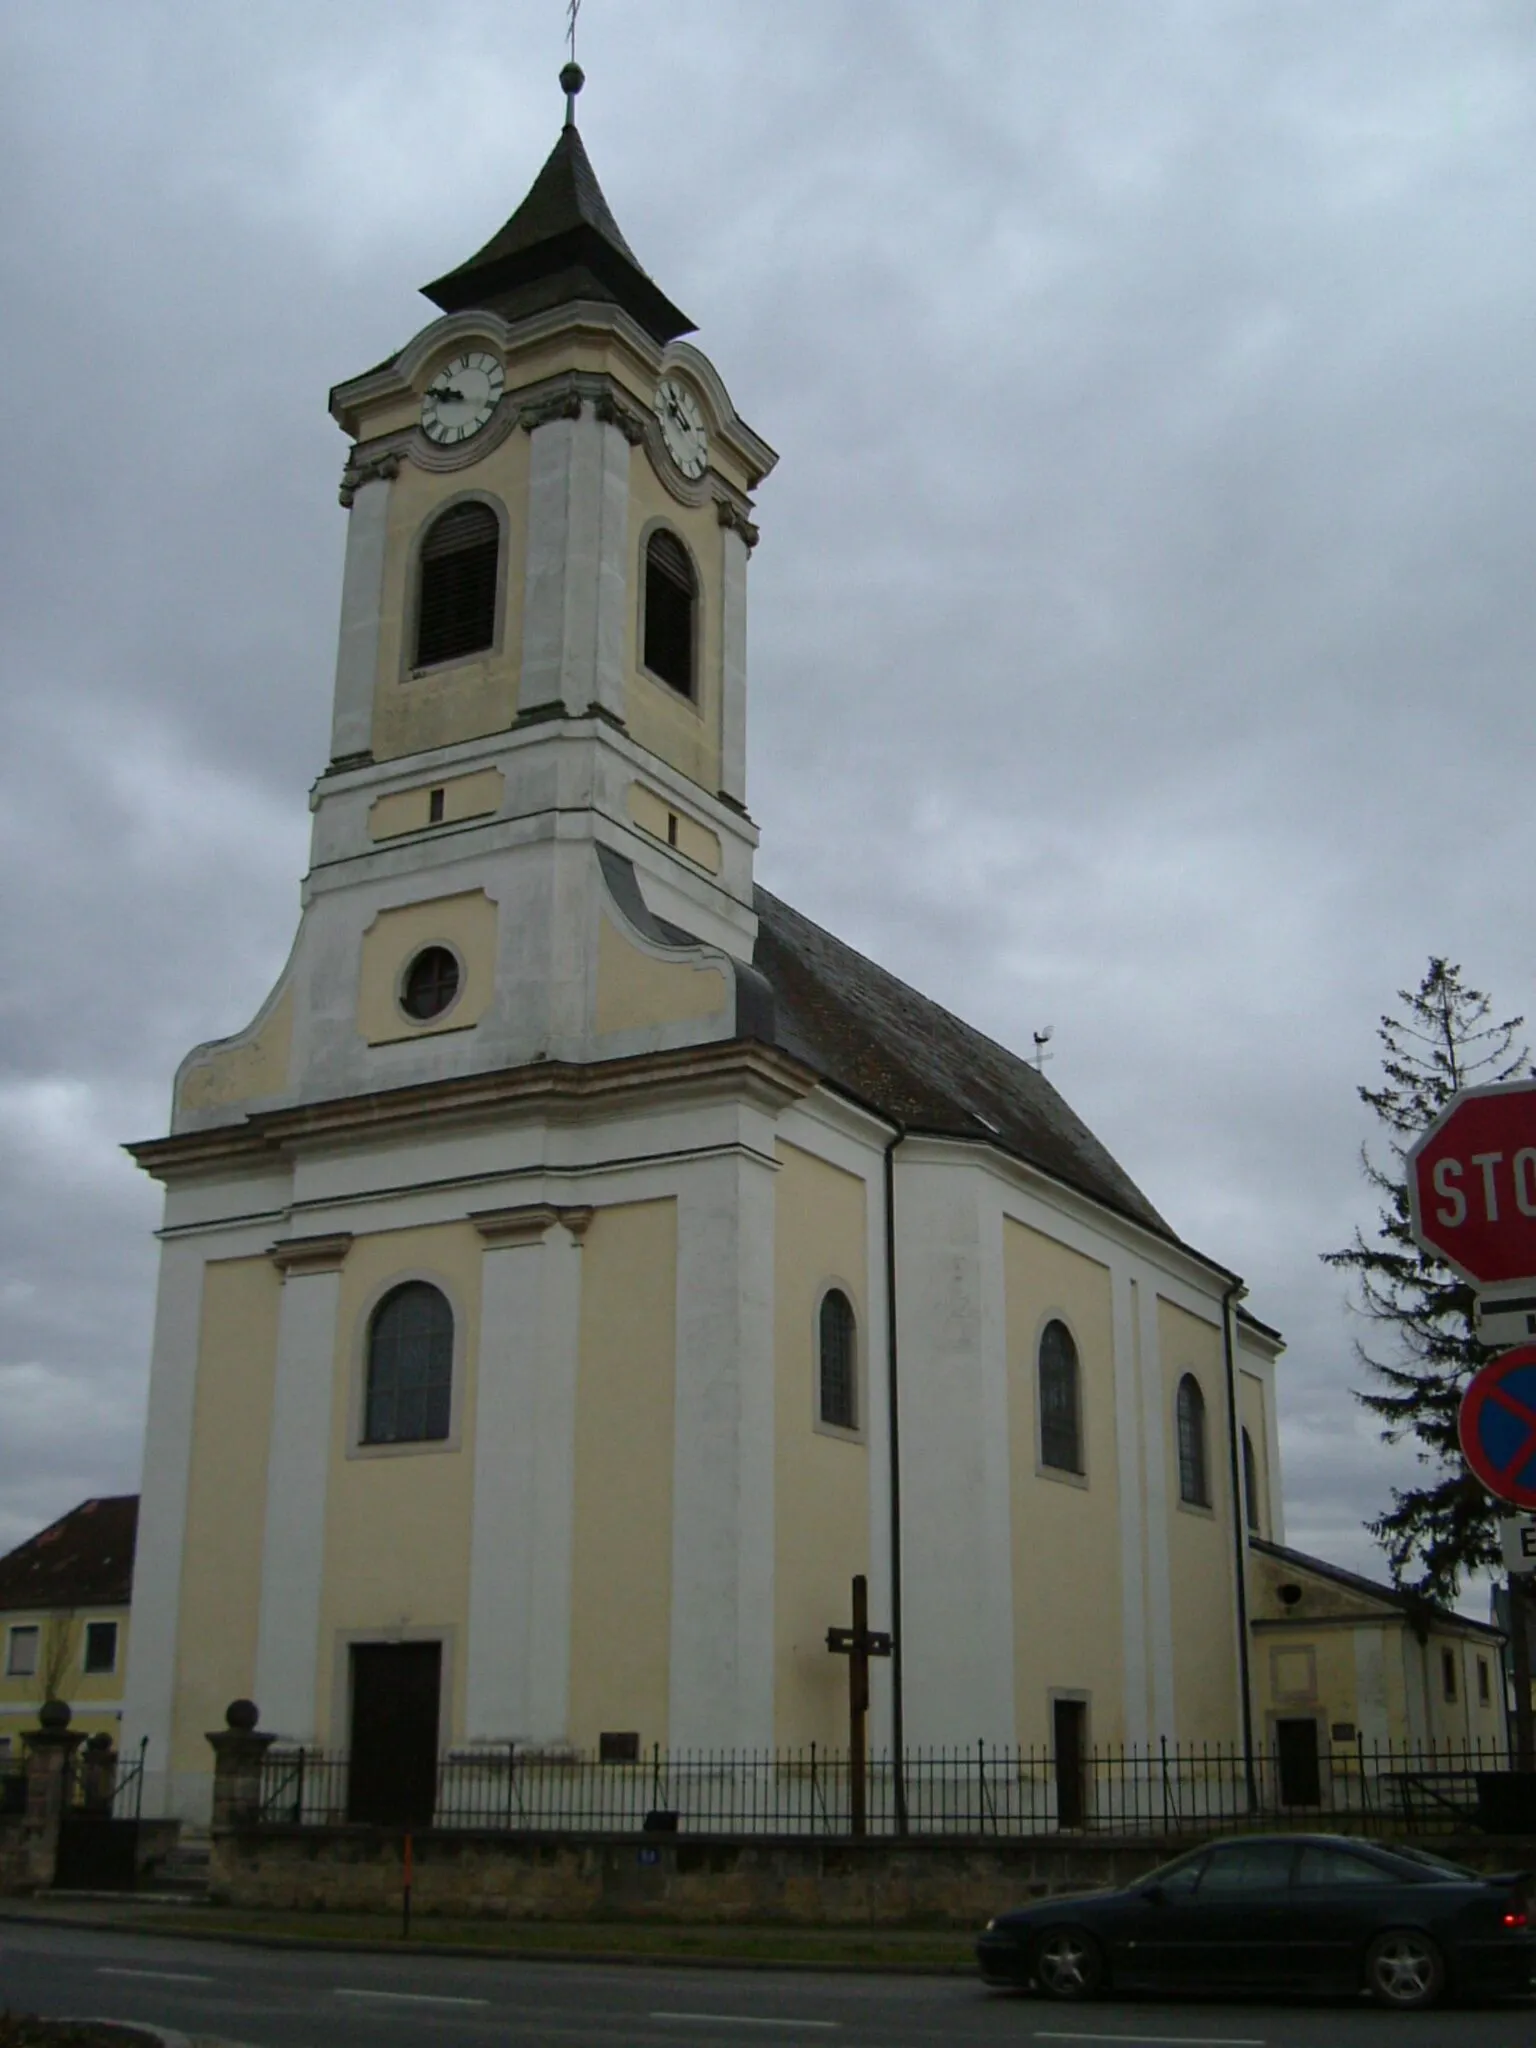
(532, 839)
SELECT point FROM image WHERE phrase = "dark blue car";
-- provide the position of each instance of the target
(1320, 1913)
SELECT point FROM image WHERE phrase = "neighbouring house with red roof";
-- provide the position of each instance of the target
(64, 1602)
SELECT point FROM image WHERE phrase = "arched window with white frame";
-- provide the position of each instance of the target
(1194, 1460)
(837, 1361)
(408, 1396)
(1059, 1381)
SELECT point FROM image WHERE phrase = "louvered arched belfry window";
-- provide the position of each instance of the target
(1061, 1429)
(456, 591)
(1194, 1465)
(838, 1362)
(671, 599)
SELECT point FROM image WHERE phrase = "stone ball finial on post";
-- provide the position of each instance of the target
(238, 1752)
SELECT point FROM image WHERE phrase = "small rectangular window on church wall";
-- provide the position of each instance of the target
(622, 1747)
(435, 807)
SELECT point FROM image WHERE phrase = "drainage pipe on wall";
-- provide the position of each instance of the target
(893, 1427)
(1229, 1302)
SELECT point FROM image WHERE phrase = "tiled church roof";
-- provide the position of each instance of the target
(85, 1559)
(876, 1039)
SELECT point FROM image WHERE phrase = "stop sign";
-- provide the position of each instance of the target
(1472, 1184)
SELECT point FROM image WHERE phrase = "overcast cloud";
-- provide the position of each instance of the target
(1142, 630)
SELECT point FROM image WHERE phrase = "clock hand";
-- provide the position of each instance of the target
(446, 396)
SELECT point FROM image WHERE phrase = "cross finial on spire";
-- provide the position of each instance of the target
(572, 9)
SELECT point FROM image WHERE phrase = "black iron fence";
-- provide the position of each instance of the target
(984, 1790)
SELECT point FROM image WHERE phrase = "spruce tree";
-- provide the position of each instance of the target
(1441, 1040)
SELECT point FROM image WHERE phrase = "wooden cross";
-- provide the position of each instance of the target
(858, 1644)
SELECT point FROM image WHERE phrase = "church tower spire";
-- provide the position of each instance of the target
(532, 840)
(561, 245)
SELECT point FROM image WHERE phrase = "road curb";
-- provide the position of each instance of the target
(322, 1944)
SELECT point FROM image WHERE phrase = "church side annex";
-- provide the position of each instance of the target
(584, 1265)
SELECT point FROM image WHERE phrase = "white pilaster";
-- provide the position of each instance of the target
(149, 1690)
(298, 1460)
(1129, 1505)
(525, 1433)
(733, 679)
(721, 1691)
(956, 1513)
(1158, 1580)
(362, 599)
(576, 583)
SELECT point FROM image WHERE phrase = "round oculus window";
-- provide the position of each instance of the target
(431, 984)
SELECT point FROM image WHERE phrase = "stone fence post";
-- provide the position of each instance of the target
(50, 1768)
(238, 1751)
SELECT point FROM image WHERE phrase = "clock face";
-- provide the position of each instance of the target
(461, 397)
(682, 426)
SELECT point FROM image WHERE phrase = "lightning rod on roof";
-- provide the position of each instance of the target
(1042, 1040)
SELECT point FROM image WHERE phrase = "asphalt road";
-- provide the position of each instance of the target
(283, 1999)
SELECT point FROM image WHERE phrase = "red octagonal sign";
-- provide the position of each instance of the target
(1472, 1184)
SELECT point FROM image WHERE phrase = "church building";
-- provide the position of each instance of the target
(583, 1265)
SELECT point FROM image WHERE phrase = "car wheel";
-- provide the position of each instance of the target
(1067, 1963)
(1403, 1969)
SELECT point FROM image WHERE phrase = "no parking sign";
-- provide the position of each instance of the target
(1497, 1426)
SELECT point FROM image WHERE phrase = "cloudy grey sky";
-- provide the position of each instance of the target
(1143, 626)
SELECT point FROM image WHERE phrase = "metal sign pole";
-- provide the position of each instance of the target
(1520, 1667)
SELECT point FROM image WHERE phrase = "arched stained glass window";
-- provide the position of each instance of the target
(1194, 1466)
(456, 593)
(838, 1362)
(1061, 1435)
(410, 1367)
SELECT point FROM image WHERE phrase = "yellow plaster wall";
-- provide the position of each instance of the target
(621, 1576)
(821, 1479)
(409, 810)
(664, 821)
(467, 924)
(226, 1501)
(460, 700)
(1199, 1540)
(397, 1531)
(684, 732)
(1054, 1647)
(1254, 1416)
(240, 1073)
(634, 989)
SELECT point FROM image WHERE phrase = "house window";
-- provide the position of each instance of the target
(1061, 1441)
(456, 586)
(1448, 1674)
(410, 1367)
(1194, 1469)
(21, 1652)
(839, 1405)
(100, 1647)
(1484, 1684)
(1250, 1485)
(670, 594)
